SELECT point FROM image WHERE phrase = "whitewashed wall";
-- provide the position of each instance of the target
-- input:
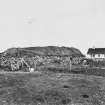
(101, 56)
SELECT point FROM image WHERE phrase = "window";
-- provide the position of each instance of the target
(98, 55)
(93, 55)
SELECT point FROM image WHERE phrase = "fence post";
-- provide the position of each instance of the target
(70, 63)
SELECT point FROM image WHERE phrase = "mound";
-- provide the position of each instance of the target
(44, 51)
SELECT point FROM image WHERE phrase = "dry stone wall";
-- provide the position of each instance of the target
(15, 63)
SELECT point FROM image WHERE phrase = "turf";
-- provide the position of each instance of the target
(51, 89)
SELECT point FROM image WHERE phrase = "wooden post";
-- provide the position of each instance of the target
(70, 63)
(35, 65)
(34, 60)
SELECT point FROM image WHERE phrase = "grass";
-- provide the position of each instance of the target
(51, 89)
(78, 70)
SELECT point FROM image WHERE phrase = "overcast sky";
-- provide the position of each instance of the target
(73, 23)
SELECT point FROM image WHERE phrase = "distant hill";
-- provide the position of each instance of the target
(44, 51)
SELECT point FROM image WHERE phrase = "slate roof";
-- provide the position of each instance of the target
(96, 51)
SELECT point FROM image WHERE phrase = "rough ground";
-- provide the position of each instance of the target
(51, 89)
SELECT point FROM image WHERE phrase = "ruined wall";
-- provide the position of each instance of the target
(15, 63)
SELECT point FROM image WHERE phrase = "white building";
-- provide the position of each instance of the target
(96, 53)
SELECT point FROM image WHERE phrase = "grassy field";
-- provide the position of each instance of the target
(49, 88)
(77, 70)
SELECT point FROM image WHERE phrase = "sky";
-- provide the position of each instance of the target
(72, 23)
